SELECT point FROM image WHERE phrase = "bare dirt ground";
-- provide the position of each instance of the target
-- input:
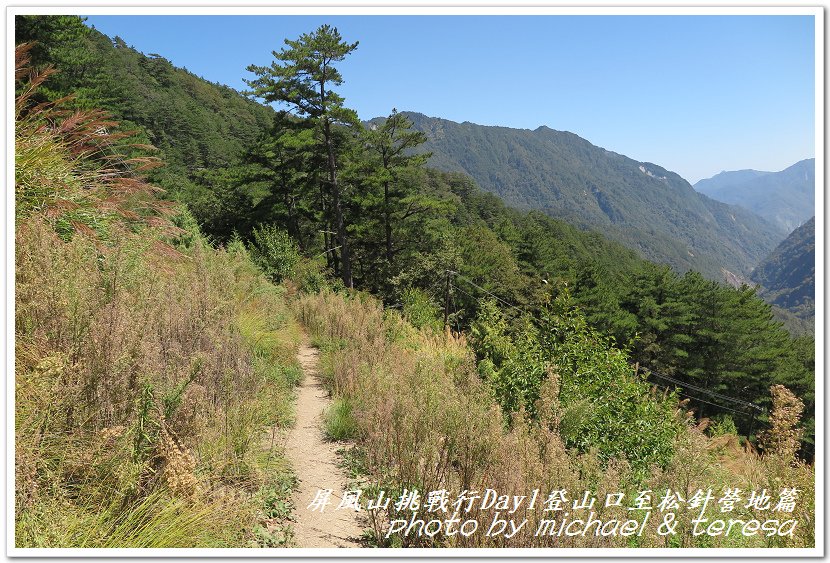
(315, 463)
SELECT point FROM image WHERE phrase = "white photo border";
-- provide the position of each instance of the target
(459, 8)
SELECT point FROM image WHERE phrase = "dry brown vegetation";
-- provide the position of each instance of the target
(426, 421)
(148, 365)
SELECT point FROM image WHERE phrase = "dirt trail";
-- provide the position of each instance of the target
(315, 462)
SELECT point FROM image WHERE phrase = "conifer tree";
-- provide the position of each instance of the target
(59, 41)
(302, 76)
(391, 143)
(284, 161)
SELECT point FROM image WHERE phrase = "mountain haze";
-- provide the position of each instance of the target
(786, 198)
(640, 204)
(727, 178)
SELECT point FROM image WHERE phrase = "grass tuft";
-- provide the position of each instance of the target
(339, 421)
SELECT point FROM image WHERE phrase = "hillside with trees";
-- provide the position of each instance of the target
(787, 275)
(194, 126)
(639, 204)
(163, 295)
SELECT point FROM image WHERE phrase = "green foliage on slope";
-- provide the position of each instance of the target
(196, 125)
(787, 275)
(604, 404)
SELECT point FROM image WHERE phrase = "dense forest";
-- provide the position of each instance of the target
(566, 332)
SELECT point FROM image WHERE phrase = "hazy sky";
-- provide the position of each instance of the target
(694, 94)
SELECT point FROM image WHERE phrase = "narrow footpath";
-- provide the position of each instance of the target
(315, 463)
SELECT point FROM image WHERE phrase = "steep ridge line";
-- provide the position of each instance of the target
(315, 463)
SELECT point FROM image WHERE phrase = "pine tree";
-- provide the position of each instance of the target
(283, 161)
(391, 143)
(302, 76)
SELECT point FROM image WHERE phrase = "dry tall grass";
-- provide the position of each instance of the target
(146, 374)
(425, 421)
(132, 376)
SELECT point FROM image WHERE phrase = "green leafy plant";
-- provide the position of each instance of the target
(419, 309)
(274, 251)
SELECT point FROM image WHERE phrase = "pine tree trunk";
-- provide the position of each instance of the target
(387, 224)
(291, 207)
(340, 226)
(326, 227)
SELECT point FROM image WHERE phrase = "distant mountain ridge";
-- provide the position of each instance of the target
(727, 178)
(639, 204)
(786, 198)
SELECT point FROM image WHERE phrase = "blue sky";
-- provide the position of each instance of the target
(695, 94)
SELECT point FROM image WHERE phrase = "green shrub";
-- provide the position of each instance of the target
(721, 425)
(309, 276)
(190, 233)
(274, 251)
(603, 404)
(419, 309)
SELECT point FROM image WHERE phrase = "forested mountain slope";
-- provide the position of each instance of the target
(637, 203)
(786, 198)
(788, 274)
